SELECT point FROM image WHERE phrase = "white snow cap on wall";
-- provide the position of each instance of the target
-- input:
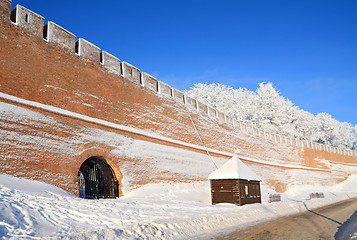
(234, 168)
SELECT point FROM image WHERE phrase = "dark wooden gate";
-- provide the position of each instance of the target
(96, 179)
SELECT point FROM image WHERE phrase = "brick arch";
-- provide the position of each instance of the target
(102, 152)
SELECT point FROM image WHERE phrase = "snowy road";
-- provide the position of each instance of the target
(322, 223)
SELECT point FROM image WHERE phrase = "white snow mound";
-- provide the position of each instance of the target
(35, 210)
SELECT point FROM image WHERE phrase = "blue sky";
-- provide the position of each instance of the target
(306, 48)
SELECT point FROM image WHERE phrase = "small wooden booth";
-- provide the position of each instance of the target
(235, 183)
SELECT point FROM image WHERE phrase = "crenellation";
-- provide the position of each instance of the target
(164, 89)
(267, 135)
(28, 20)
(5, 10)
(241, 126)
(235, 124)
(276, 138)
(88, 50)
(220, 116)
(212, 112)
(149, 81)
(264, 135)
(178, 95)
(130, 72)
(54, 33)
(253, 131)
(202, 108)
(110, 62)
(58, 87)
(244, 127)
(228, 120)
(190, 102)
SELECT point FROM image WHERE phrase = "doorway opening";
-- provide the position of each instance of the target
(96, 179)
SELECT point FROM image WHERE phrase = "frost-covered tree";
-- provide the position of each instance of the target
(346, 136)
(354, 147)
(328, 129)
(237, 103)
(267, 109)
(274, 113)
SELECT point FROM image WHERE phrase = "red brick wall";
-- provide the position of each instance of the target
(50, 72)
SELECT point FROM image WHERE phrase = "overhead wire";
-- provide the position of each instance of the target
(199, 135)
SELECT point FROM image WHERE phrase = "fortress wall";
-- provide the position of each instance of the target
(51, 148)
(190, 102)
(110, 62)
(130, 72)
(212, 112)
(164, 89)
(28, 20)
(54, 33)
(88, 50)
(149, 81)
(98, 85)
(178, 95)
(229, 121)
(220, 116)
(5, 10)
(202, 108)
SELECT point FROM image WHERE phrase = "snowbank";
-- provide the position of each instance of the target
(32, 210)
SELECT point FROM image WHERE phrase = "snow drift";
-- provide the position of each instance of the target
(32, 210)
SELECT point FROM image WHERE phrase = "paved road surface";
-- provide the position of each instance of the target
(322, 223)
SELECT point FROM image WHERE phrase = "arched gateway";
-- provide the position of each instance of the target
(96, 179)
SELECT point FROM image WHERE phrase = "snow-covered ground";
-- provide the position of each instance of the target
(35, 210)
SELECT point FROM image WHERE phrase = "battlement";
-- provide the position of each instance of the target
(149, 81)
(28, 20)
(33, 24)
(88, 50)
(110, 62)
(5, 8)
(64, 100)
(178, 95)
(54, 33)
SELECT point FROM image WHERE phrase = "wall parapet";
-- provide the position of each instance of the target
(5, 9)
(164, 89)
(110, 62)
(88, 50)
(190, 102)
(149, 81)
(28, 20)
(130, 72)
(202, 108)
(54, 33)
(178, 95)
(51, 32)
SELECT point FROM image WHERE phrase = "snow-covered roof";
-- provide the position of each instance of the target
(234, 168)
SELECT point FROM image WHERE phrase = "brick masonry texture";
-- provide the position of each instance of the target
(50, 72)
